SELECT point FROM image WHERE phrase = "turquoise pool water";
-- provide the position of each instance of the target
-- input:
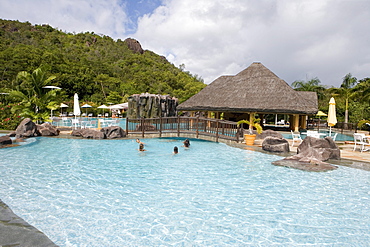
(107, 193)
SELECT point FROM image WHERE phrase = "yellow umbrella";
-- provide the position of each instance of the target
(321, 114)
(332, 117)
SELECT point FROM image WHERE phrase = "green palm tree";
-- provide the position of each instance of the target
(33, 99)
(361, 93)
(312, 85)
(346, 90)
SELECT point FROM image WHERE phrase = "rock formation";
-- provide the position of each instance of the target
(17, 232)
(113, 132)
(5, 140)
(267, 133)
(151, 106)
(88, 133)
(105, 133)
(47, 129)
(134, 45)
(147, 127)
(26, 128)
(275, 144)
(311, 154)
(321, 148)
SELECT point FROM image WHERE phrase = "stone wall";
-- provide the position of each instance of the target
(151, 106)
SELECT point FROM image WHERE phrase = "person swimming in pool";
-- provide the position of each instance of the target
(138, 141)
(186, 143)
(175, 150)
(141, 147)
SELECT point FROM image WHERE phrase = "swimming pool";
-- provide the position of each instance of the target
(107, 193)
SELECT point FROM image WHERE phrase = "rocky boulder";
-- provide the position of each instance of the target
(113, 132)
(17, 232)
(146, 127)
(267, 133)
(305, 166)
(47, 129)
(134, 45)
(26, 128)
(311, 154)
(105, 133)
(275, 144)
(11, 134)
(5, 140)
(88, 133)
(322, 148)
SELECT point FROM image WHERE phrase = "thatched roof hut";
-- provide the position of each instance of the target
(255, 89)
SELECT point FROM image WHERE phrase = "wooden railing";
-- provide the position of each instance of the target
(184, 125)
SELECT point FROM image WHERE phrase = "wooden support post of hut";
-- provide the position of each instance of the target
(296, 122)
(303, 121)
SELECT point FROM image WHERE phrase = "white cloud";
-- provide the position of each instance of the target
(295, 39)
(106, 17)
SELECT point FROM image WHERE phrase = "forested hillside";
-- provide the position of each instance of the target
(96, 67)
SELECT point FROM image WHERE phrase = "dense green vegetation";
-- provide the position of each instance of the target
(98, 68)
(352, 98)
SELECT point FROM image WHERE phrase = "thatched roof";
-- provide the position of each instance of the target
(255, 89)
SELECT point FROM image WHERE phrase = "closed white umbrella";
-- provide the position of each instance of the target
(76, 106)
(332, 117)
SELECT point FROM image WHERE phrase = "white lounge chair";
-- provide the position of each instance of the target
(313, 133)
(334, 136)
(76, 123)
(361, 140)
(296, 137)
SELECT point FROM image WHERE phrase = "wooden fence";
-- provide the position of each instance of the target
(210, 127)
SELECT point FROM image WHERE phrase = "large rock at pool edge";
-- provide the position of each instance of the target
(14, 231)
(113, 132)
(311, 154)
(88, 133)
(274, 144)
(269, 133)
(321, 148)
(5, 140)
(47, 129)
(107, 132)
(26, 128)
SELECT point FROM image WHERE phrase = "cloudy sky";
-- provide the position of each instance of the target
(296, 39)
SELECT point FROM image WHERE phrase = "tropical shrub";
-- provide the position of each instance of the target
(8, 120)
